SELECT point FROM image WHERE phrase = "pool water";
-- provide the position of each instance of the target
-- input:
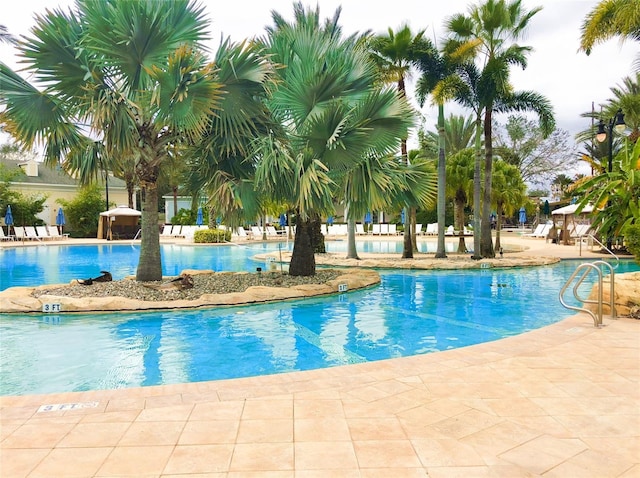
(411, 312)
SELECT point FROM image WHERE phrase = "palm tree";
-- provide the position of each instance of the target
(132, 73)
(395, 54)
(508, 193)
(460, 184)
(6, 37)
(485, 35)
(333, 118)
(608, 19)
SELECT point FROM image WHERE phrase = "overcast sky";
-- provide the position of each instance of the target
(571, 80)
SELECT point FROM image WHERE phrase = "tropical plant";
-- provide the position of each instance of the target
(6, 37)
(132, 73)
(334, 118)
(460, 185)
(395, 55)
(632, 240)
(616, 194)
(609, 19)
(484, 36)
(508, 193)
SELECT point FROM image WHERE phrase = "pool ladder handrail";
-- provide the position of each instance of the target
(588, 267)
(595, 239)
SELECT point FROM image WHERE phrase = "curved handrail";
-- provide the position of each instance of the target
(597, 320)
(601, 245)
(612, 286)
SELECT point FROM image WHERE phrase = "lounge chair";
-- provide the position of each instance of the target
(176, 231)
(30, 233)
(55, 234)
(271, 231)
(166, 230)
(540, 231)
(418, 229)
(188, 231)
(376, 229)
(4, 237)
(450, 231)
(393, 229)
(360, 229)
(42, 232)
(432, 229)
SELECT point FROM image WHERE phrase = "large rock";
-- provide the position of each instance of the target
(627, 294)
(20, 300)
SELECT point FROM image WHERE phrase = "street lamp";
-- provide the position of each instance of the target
(617, 125)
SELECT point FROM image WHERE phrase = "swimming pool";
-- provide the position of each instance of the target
(411, 312)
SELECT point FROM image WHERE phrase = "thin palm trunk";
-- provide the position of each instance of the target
(477, 192)
(442, 175)
(414, 237)
(486, 242)
(499, 210)
(461, 200)
(149, 266)
(352, 252)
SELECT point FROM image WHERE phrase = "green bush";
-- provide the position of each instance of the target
(83, 211)
(632, 240)
(212, 235)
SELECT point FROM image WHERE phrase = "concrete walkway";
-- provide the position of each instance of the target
(561, 401)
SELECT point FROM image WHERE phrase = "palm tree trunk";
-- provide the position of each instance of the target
(459, 212)
(442, 175)
(486, 241)
(477, 191)
(414, 242)
(303, 261)
(150, 264)
(499, 213)
(352, 252)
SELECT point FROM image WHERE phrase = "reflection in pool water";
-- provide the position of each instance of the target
(411, 312)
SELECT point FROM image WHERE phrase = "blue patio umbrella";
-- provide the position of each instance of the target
(283, 220)
(8, 219)
(523, 215)
(402, 216)
(367, 218)
(330, 220)
(60, 219)
(199, 220)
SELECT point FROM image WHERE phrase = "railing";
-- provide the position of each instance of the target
(593, 238)
(586, 268)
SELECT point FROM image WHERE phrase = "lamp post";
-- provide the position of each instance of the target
(616, 125)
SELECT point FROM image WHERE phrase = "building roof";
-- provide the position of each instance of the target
(48, 175)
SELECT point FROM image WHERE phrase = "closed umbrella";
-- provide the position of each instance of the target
(402, 216)
(8, 220)
(367, 218)
(546, 210)
(283, 220)
(330, 220)
(60, 220)
(523, 216)
(199, 220)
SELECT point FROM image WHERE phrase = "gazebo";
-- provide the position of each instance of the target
(566, 221)
(121, 222)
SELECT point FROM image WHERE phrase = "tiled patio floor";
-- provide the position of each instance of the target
(562, 401)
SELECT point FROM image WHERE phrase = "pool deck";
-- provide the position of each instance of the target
(561, 401)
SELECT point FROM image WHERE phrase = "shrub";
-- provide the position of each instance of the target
(212, 235)
(632, 240)
(83, 211)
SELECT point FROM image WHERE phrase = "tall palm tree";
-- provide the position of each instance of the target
(132, 73)
(333, 117)
(609, 19)
(485, 35)
(396, 54)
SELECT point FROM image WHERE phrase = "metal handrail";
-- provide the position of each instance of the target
(612, 286)
(600, 243)
(588, 266)
(597, 319)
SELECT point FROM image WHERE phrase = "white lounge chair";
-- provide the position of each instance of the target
(55, 234)
(19, 232)
(418, 229)
(450, 231)
(376, 229)
(166, 230)
(4, 237)
(176, 231)
(393, 229)
(42, 232)
(360, 229)
(536, 233)
(271, 231)
(432, 229)
(30, 233)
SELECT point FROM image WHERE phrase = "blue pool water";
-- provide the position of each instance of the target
(411, 312)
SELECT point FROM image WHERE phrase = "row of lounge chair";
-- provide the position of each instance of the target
(178, 230)
(33, 233)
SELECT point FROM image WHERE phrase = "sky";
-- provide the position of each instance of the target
(571, 80)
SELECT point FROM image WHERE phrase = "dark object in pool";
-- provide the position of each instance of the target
(105, 277)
